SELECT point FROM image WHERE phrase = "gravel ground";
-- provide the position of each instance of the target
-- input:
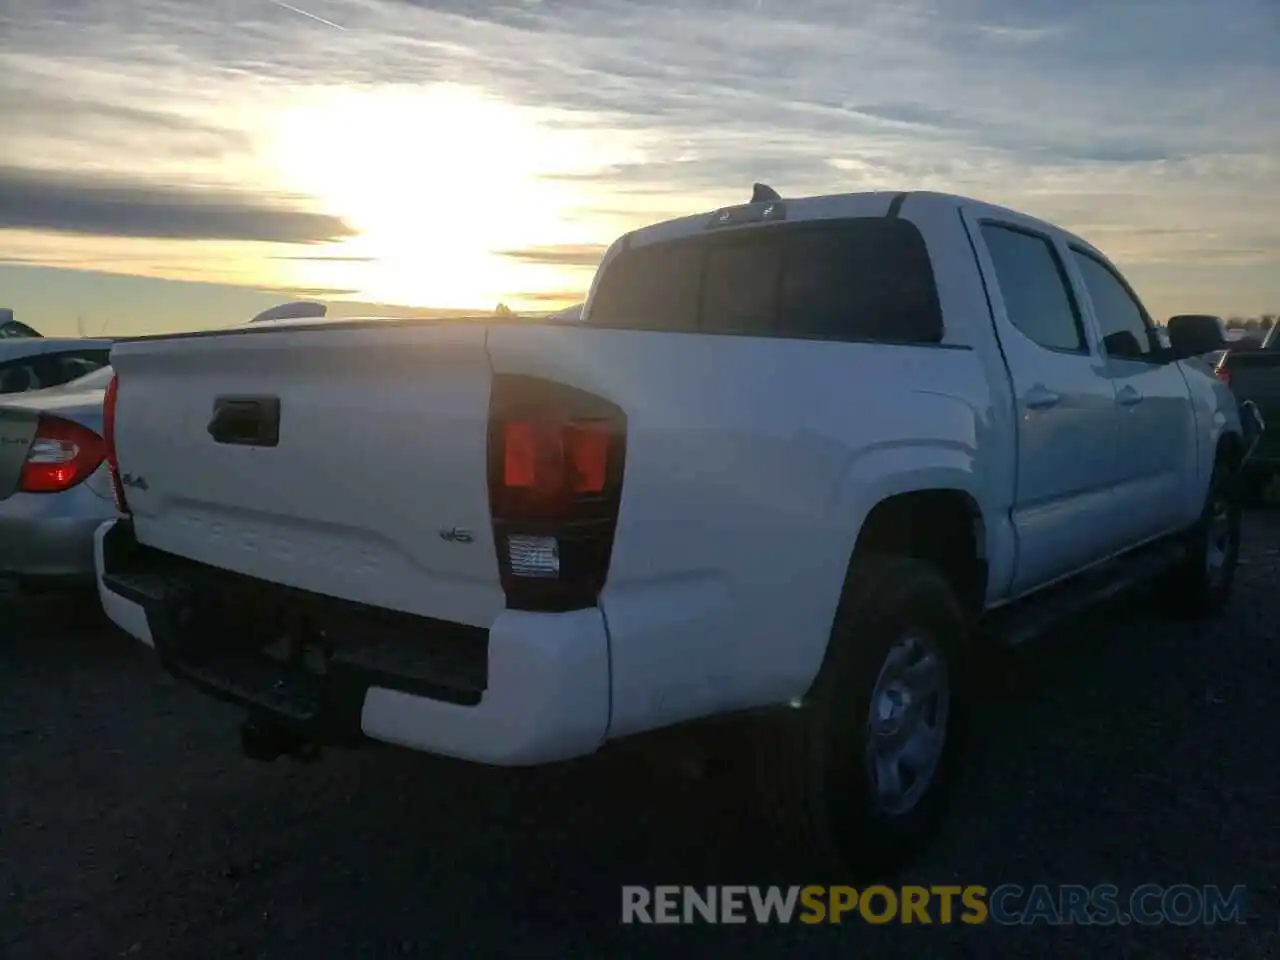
(1127, 750)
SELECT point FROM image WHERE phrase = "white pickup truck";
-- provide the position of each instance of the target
(794, 462)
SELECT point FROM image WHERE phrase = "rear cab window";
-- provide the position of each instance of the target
(854, 279)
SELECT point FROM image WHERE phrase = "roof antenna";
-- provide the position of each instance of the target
(762, 191)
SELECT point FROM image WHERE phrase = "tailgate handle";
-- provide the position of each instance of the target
(248, 421)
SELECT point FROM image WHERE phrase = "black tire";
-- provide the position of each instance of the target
(816, 774)
(1200, 586)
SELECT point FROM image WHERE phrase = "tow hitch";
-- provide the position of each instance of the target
(262, 738)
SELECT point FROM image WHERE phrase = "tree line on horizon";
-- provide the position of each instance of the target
(1260, 324)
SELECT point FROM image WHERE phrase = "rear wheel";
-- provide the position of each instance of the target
(858, 776)
(1201, 585)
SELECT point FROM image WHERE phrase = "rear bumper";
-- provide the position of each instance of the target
(51, 534)
(533, 688)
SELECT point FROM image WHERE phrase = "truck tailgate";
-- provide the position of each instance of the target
(375, 487)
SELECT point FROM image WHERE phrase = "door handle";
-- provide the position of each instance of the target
(1041, 397)
(1128, 397)
(246, 421)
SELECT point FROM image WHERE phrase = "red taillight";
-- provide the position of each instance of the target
(62, 454)
(109, 436)
(551, 462)
(555, 482)
(1224, 375)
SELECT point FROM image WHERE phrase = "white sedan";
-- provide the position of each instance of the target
(55, 489)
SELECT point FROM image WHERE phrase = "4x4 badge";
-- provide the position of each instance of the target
(456, 535)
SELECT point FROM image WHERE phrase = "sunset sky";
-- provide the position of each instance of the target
(172, 164)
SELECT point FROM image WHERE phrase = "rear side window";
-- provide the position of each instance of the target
(856, 279)
(1033, 284)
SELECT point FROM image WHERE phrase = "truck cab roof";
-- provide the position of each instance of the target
(837, 206)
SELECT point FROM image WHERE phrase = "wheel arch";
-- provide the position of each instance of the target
(942, 526)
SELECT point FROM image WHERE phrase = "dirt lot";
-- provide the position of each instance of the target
(1125, 751)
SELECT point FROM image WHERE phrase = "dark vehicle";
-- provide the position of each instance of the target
(1254, 374)
(12, 329)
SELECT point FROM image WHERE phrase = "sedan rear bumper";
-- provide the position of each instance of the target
(51, 534)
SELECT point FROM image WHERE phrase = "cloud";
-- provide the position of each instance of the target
(557, 297)
(36, 108)
(366, 308)
(52, 201)
(1109, 117)
(312, 291)
(690, 77)
(1020, 35)
(914, 114)
(564, 255)
(328, 259)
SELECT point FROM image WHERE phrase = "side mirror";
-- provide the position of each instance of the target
(1194, 334)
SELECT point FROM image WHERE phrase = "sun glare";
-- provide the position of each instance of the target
(437, 183)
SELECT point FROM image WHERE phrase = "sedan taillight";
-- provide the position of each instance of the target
(62, 454)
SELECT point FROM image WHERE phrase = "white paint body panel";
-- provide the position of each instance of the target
(740, 509)
(382, 445)
(751, 467)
